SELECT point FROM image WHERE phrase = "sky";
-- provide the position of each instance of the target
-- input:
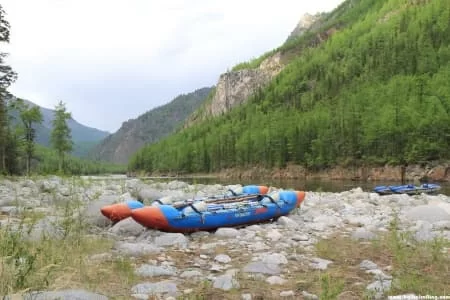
(112, 60)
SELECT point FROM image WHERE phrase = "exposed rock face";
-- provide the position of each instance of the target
(234, 88)
(307, 22)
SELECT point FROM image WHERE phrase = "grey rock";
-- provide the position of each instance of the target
(320, 263)
(191, 274)
(136, 249)
(153, 271)
(172, 239)
(225, 282)
(367, 265)
(216, 268)
(255, 227)
(287, 222)
(127, 227)
(227, 232)
(222, 258)
(275, 258)
(263, 268)
(147, 194)
(48, 227)
(154, 288)
(300, 237)
(430, 213)
(309, 296)
(272, 280)
(92, 214)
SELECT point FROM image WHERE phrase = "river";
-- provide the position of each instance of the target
(313, 185)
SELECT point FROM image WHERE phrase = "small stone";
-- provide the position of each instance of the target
(153, 271)
(287, 222)
(367, 265)
(222, 258)
(309, 296)
(300, 237)
(275, 280)
(287, 294)
(320, 263)
(260, 267)
(191, 274)
(225, 282)
(161, 287)
(275, 258)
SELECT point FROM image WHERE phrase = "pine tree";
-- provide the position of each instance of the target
(29, 116)
(61, 138)
(6, 78)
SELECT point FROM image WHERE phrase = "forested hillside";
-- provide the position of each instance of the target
(148, 128)
(375, 92)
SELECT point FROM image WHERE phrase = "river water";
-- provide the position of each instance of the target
(313, 185)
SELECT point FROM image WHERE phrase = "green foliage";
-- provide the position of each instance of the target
(47, 163)
(375, 92)
(7, 77)
(29, 117)
(60, 137)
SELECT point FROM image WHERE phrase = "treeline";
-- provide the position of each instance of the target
(376, 92)
(19, 153)
(46, 162)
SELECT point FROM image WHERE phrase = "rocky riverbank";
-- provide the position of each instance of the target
(433, 172)
(348, 245)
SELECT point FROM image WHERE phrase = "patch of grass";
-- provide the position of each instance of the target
(417, 267)
(60, 262)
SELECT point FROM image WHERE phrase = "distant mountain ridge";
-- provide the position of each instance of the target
(149, 127)
(83, 137)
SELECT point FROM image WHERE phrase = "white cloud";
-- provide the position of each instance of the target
(112, 60)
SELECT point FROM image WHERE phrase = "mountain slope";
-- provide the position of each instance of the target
(83, 137)
(375, 91)
(148, 128)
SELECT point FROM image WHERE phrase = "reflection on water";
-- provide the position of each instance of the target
(314, 185)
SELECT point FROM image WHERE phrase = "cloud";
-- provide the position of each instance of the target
(112, 60)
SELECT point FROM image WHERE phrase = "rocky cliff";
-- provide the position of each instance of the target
(235, 87)
(306, 23)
